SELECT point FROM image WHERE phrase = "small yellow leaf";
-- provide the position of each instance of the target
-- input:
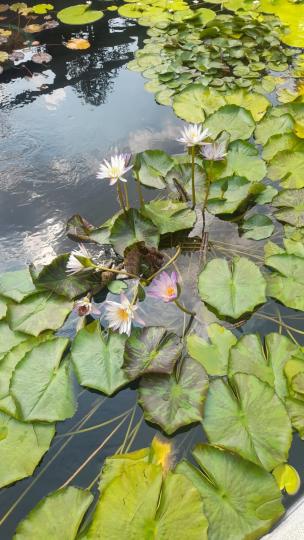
(287, 478)
(3, 56)
(161, 453)
(33, 28)
(77, 44)
(5, 33)
(112, 8)
(299, 130)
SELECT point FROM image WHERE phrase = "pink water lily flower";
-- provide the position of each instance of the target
(165, 287)
(121, 315)
(215, 151)
(85, 307)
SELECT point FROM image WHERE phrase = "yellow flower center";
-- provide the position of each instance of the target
(170, 291)
(123, 314)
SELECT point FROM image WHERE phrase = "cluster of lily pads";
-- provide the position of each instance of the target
(247, 393)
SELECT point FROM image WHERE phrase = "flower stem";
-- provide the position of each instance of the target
(126, 195)
(182, 308)
(120, 197)
(170, 261)
(140, 193)
(208, 183)
(193, 176)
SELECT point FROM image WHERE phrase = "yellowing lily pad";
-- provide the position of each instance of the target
(287, 478)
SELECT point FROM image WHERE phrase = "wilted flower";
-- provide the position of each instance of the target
(85, 307)
(215, 151)
(165, 287)
(193, 135)
(118, 166)
(78, 260)
(121, 315)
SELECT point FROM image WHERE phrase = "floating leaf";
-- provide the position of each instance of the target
(54, 277)
(278, 143)
(170, 216)
(267, 195)
(3, 56)
(21, 448)
(39, 312)
(267, 363)
(242, 160)
(3, 308)
(152, 166)
(77, 44)
(79, 14)
(295, 409)
(41, 385)
(238, 122)
(253, 102)
(291, 15)
(8, 338)
(192, 103)
(290, 203)
(241, 500)
(271, 125)
(257, 227)
(17, 285)
(59, 515)
(98, 359)
(41, 9)
(247, 417)
(130, 228)
(288, 167)
(232, 291)
(151, 350)
(287, 478)
(231, 194)
(117, 286)
(213, 355)
(172, 402)
(154, 505)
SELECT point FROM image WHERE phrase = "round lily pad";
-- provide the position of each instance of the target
(79, 14)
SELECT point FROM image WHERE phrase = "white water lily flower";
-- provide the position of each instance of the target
(215, 151)
(193, 135)
(120, 315)
(116, 169)
(75, 263)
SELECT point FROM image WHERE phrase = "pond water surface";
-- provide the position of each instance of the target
(55, 128)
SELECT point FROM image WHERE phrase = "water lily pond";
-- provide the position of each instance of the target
(151, 269)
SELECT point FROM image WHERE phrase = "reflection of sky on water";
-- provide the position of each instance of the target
(56, 127)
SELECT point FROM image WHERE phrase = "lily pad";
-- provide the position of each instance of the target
(41, 385)
(98, 359)
(212, 355)
(151, 350)
(233, 512)
(132, 227)
(278, 143)
(155, 505)
(170, 216)
(253, 102)
(21, 448)
(194, 101)
(242, 160)
(257, 227)
(271, 125)
(248, 417)
(59, 515)
(295, 408)
(232, 290)
(288, 167)
(237, 121)
(8, 338)
(231, 194)
(172, 401)
(267, 363)
(39, 312)
(152, 166)
(290, 204)
(287, 478)
(16, 285)
(3, 308)
(79, 14)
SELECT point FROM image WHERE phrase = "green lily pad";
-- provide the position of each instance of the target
(267, 195)
(241, 500)
(271, 125)
(39, 312)
(41, 384)
(232, 194)
(3, 308)
(21, 448)
(154, 506)
(288, 167)
(194, 101)
(267, 363)
(117, 286)
(54, 277)
(59, 515)
(257, 227)
(151, 350)
(133, 227)
(248, 417)
(212, 355)
(295, 408)
(170, 216)
(292, 15)
(17, 285)
(278, 143)
(152, 167)
(253, 102)
(294, 371)
(98, 359)
(237, 121)
(290, 204)
(232, 290)
(79, 14)
(242, 160)
(8, 338)
(172, 401)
